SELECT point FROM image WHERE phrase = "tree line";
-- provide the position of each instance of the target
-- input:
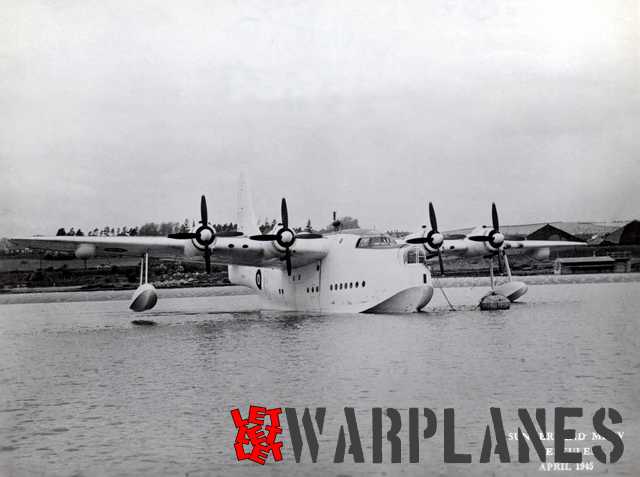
(148, 229)
(165, 228)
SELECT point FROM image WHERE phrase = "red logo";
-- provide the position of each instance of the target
(260, 436)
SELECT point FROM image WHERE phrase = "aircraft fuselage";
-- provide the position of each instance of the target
(347, 279)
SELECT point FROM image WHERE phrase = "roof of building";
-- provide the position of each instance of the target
(616, 236)
(578, 229)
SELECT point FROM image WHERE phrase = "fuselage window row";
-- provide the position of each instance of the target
(341, 286)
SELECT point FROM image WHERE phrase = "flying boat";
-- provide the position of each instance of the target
(347, 271)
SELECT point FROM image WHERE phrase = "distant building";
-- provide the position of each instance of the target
(628, 234)
(564, 266)
(550, 232)
(570, 231)
(616, 262)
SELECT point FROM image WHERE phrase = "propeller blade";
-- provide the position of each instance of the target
(287, 257)
(479, 238)
(229, 234)
(284, 213)
(441, 262)
(308, 235)
(432, 218)
(417, 240)
(494, 217)
(264, 237)
(182, 235)
(207, 259)
(204, 218)
(500, 265)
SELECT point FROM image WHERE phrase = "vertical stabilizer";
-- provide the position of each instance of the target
(247, 222)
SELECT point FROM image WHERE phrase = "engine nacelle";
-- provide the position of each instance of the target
(194, 249)
(85, 251)
(431, 241)
(144, 298)
(541, 253)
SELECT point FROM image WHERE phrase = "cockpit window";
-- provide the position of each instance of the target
(376, 241)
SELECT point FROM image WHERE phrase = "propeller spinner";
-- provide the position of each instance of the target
(204, 235)
(285, 237)
(433, 240)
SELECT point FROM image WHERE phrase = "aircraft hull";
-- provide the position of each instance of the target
(407, 301)
(348, 280)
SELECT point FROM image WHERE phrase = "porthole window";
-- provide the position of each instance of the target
(345, 285)
(350, 284)
(341, 286)
(307, 289)
(357, 284)
(317, 289)
(231, 245)
(245, 246)
(330, 287)
(363, 283)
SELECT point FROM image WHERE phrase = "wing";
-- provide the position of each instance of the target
(467, 248)
(225, 250)
(533, 244)
(244, 251)
(455, 247)
(85, 247)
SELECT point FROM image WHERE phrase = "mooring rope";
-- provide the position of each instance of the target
(446, 298)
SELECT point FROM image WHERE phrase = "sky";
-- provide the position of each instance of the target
(119, 113)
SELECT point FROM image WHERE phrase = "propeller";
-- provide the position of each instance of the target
(495, 238)
(204, 235)
(434, 239)
(285, 237)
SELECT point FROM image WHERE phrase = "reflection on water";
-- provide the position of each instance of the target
(84, 391)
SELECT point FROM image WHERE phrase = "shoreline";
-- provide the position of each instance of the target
(73, 294)
(118, 295)
(577, 278)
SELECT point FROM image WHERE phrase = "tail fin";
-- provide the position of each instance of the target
(247, 222)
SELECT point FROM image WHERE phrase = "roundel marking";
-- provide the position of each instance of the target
(259, 279)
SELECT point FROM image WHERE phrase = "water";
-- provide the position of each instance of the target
(85, 392)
